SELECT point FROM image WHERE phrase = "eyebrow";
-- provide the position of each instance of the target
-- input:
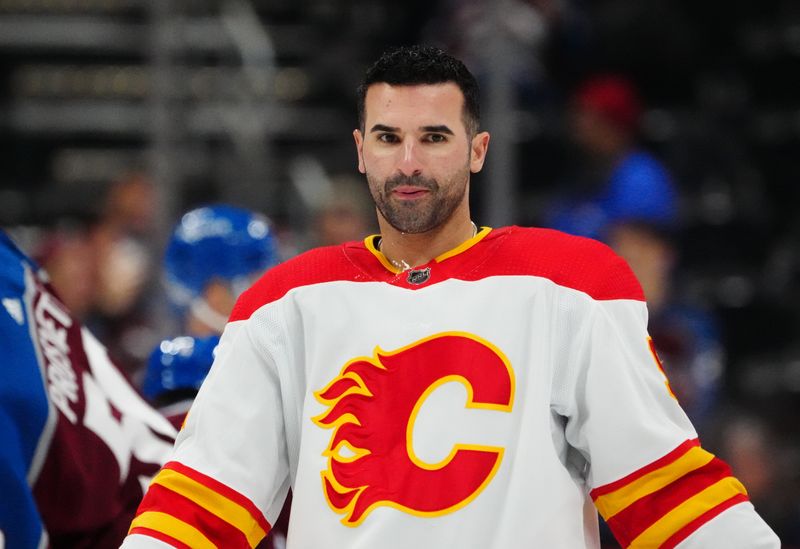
(433, 129)
(438, 129)
(384, 128)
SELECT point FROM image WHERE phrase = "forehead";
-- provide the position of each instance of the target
(413, 106)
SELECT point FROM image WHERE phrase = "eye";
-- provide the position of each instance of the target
(435, 138)
(388, 138)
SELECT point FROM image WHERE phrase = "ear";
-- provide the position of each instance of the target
(359, 139)
(478, 148)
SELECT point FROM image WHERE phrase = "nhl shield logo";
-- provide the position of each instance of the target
(418, 276)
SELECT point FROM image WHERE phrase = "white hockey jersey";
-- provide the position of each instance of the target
(496, 397)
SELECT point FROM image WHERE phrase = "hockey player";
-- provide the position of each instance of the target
(441, 385)
(214, 253)
(78, 445)
(175, 371)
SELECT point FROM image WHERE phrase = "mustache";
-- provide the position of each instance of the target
(400, 179)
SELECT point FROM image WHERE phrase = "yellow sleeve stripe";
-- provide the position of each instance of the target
(688, 511)
(213, 502)
(175, 528)
(614, 502)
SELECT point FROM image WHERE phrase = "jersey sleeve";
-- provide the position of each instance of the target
(77, 443)
(648, 475)
(229, 475)
(20, 522)
(23, 411)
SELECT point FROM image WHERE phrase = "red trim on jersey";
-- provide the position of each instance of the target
(644, 512)
(317, 266)
(570, 261)
(658, 464)
(216, 529)
(574, 262)
(223, 490)
(169, 540)
(691, 527)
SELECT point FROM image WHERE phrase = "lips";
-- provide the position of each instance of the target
(409, 191)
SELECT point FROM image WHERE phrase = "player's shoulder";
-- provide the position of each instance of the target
(10, 254)
(316, 266)
(574, 262)
(555, 242)
(13, 265)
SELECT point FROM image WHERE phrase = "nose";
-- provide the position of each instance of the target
(409, 163)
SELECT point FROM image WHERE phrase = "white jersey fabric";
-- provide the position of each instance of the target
(496, 397)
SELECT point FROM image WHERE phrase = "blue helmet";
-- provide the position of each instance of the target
(180, 363)
(217, 242)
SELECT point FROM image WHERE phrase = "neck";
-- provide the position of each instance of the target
(406, 251)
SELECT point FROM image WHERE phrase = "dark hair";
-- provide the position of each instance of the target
(412, 65)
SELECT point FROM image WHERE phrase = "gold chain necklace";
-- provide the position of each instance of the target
(402, 265)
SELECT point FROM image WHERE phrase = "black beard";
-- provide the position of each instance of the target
(411, 217)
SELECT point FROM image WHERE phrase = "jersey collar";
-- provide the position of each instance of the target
(372, 240)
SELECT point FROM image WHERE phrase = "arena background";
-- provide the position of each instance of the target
(253, 103)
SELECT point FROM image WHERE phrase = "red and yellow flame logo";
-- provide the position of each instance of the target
(372, 405)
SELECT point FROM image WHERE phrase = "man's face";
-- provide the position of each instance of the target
(416, 153)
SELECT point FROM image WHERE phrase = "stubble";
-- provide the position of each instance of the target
(421, 215)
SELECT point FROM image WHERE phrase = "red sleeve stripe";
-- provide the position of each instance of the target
(613, 503)
(691, 514)
(193, 508)
(687, 530)
(637, 517)
(669, 498)
(179, 517)
(658, 464)
(142, 531)
(222, 490)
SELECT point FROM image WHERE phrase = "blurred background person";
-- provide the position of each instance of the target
(124, 308)
(620, 179)
(121, 237)
(70, 260)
